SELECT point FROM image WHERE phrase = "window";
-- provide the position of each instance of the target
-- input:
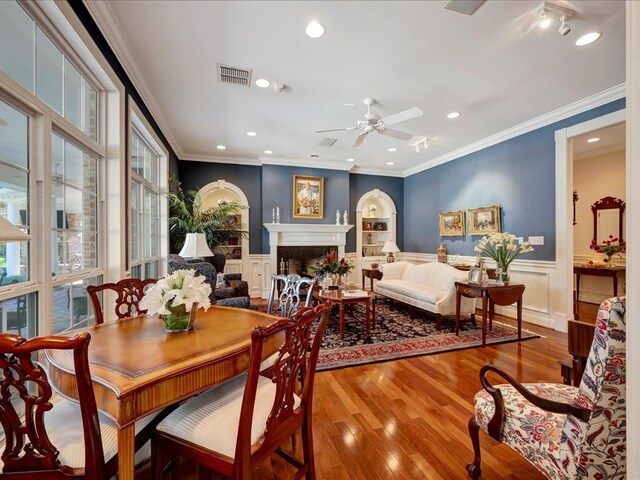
(145, 208)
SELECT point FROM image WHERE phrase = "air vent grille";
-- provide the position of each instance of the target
(234, 75)
(327, 142)
(468, 7)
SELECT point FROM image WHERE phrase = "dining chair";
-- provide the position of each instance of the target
(45, 435)
(234, 427)
(288, 294)
(129, 293)
(566, 432)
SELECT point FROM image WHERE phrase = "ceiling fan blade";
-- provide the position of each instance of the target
(337, 129)
(396, 134)
(359, 139)
(414, 112)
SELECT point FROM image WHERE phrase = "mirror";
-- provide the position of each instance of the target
(608, 219)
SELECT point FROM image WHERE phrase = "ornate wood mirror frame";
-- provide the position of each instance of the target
(608, 203)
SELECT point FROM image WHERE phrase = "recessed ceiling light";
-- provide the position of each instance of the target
(263, 83)
(593, 140)
(252, 134)
(389, 163)
(351, 159)
(453, 115)
(588, 38)
(221, 147)
(268, 152)
(314, 29)
(392, 149)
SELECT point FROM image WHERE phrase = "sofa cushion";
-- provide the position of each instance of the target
(393, 270)
(419, 291)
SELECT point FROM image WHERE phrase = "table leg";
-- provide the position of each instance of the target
(484, 318)
(577, 307)
(126, 452)
(373, 312)
(363, 282)
(492, 310)
(520, 318)
(457, 312)
(368, 320)
(615, 284)
(342, 320)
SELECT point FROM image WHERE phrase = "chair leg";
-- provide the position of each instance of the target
(473, 469)
(156, 461)
(307, 451)
(438, 321)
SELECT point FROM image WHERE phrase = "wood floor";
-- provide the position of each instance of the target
(407, 419)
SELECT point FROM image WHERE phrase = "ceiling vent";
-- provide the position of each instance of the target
(235, 75)
(468, 7)
(327, 142)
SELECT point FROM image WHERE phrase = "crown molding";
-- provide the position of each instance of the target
(110, 27)
(575, 108)
(382, 172)
(218, 159)
(291, 162)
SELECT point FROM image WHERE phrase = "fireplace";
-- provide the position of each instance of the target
(324, 236)
(300, 259)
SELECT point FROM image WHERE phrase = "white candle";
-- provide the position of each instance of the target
(273, 214)
(278, 211)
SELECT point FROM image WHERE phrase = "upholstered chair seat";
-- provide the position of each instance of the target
(565, 432)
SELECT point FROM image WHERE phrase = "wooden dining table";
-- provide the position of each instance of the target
(137, 368)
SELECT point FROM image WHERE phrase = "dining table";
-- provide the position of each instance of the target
(137, 368)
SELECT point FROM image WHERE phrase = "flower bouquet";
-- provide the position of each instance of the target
(503, 249)
(176, 297)
(610, 247)
(331, 267)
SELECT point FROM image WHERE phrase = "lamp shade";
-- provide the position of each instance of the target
(10, 233)
(195, 245)
(390, 247)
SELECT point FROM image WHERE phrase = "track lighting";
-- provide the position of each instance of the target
(548, 12)
(422, 143)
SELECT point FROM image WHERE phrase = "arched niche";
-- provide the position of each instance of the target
(212, 195)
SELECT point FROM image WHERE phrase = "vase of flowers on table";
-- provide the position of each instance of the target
(610, 247)
(503, 249)
(176, 298)
(331, 269)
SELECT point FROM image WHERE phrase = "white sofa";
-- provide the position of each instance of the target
(429, 286)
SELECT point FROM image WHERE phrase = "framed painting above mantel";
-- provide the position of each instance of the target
(308, 196)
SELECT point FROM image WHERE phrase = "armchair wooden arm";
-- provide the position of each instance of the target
(496, 423)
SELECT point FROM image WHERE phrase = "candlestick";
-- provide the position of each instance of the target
(277, 214)
(273, 215)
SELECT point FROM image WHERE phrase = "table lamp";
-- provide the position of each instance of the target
(10, 233)
(195, 245)
(390, 248)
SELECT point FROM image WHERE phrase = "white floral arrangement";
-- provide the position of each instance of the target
(182, 287)
(502, 248)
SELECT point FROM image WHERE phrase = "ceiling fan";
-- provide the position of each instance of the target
(374, 123)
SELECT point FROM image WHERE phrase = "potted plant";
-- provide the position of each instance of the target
(186, 215)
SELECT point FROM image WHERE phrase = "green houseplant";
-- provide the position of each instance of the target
(186, 215)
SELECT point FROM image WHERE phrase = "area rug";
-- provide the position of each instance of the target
(398, 336)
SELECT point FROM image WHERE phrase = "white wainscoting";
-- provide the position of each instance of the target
(259, 276)
(540, 299)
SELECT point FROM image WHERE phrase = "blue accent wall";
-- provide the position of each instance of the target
(195, 175)
(277, 191)
(361, 184)
(518, 174)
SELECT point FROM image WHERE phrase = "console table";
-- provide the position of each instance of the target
(492, 295)
(612, 272)
(372, 274)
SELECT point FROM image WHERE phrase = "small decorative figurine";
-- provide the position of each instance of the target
(442, 253)
(373, 210)
(337, 217)
(345, 218)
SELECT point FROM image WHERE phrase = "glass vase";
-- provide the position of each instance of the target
(502, 276)
(611, 263)
(179, 320)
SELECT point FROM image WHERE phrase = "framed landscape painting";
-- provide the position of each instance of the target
(452, 224)
(484, 220)
(308, 196)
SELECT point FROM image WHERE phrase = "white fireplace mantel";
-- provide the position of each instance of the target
(304, 234)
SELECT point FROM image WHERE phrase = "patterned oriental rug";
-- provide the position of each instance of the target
(397, 336)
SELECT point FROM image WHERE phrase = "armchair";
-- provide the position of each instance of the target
(566, 432)
(210, 273)
(236, 287)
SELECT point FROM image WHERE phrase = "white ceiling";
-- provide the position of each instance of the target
(495, 67)
(612, 139)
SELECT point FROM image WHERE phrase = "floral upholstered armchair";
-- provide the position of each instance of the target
(564, 431)
(210, 273)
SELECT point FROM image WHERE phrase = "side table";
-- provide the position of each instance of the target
(491, 295)
(372, 274)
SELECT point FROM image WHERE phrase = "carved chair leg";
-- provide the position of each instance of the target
(473, 320)
(438, 321)
(307, 451)
(473, 469)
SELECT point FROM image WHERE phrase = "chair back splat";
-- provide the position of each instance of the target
(27, 449)
(288, 294)
(129, 293)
